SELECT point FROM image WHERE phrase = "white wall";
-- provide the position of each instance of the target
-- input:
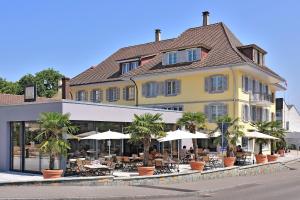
(78, 110)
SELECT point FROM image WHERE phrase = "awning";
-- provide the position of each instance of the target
(255, 134)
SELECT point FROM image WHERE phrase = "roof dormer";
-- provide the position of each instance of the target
(128, 65)
(183, 55)
(255, 53)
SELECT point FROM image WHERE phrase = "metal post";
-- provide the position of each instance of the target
(222, 131)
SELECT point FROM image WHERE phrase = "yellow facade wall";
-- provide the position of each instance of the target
(193, 96)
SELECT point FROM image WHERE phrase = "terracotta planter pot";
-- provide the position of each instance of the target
(146, 171)
(197, 165)
(281, 152)
(272, 158)
(47, 173)
(229, 161)
(260, 158)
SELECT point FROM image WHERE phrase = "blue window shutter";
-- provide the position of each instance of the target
(208, 84)
(144, 89)
(198, 50)
(156, 85)
(107, 95)
(100, 95)
(162, 88)
(117, 94)
(178, 86)
(92, 96)
(225, 82)
(165, 59)
(207, 111)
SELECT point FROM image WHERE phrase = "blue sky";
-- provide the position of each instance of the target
(71, 35)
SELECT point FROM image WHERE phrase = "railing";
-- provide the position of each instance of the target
(261, 98)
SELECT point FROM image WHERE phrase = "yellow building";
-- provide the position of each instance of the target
(204, 69)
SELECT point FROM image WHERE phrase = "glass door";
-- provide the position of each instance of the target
(16, 146)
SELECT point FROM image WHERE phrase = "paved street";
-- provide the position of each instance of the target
(284, 185)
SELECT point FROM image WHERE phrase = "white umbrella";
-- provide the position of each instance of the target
(181, 134)
(255, 134)
(108, 135)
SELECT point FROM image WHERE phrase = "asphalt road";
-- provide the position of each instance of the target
(280, 186)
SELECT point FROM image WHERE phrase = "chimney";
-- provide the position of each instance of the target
(205, 18)
(65, 88)
(157, 35)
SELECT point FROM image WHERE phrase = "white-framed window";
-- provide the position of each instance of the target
(172, 58)
(112, 94)
(150, 89)
(171, 87)
(192, 55)
(214, 111)
(81, 95)
(96, 96)
(245, 142)
(128, 66)
(216, 83)
(129, 93)
(170, 107)
(133, 65)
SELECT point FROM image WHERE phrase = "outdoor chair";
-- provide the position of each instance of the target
(81, 170)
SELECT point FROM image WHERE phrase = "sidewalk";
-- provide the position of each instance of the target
(203, 188)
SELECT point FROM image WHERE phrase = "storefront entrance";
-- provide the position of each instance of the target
(25, 154)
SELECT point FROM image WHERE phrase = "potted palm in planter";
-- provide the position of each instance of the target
(274, 129)
(231, 132)
(53, 128)
(142, 129)
(193, 121)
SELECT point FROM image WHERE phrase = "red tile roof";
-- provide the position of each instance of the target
(9, 99)
(223, 50)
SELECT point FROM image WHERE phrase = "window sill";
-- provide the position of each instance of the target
(170, 95)
(216, 92)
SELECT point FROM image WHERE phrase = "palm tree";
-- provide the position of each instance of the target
(53, 127)
(143, 128)
(193, 121)
(272, 128)
(231, 130)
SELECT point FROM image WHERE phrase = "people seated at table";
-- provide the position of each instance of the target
(239, 149)
(191, 151)
(166, 155)
(183, 152)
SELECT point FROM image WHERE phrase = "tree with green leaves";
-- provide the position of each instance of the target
(7, 87)
(232, 132)
(193, 121)
(47, 82)
(143, 128)
(53, 128)
(24, 81)
(272, 128)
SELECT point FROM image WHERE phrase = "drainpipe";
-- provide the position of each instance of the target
(137, 92)
(234, 92)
